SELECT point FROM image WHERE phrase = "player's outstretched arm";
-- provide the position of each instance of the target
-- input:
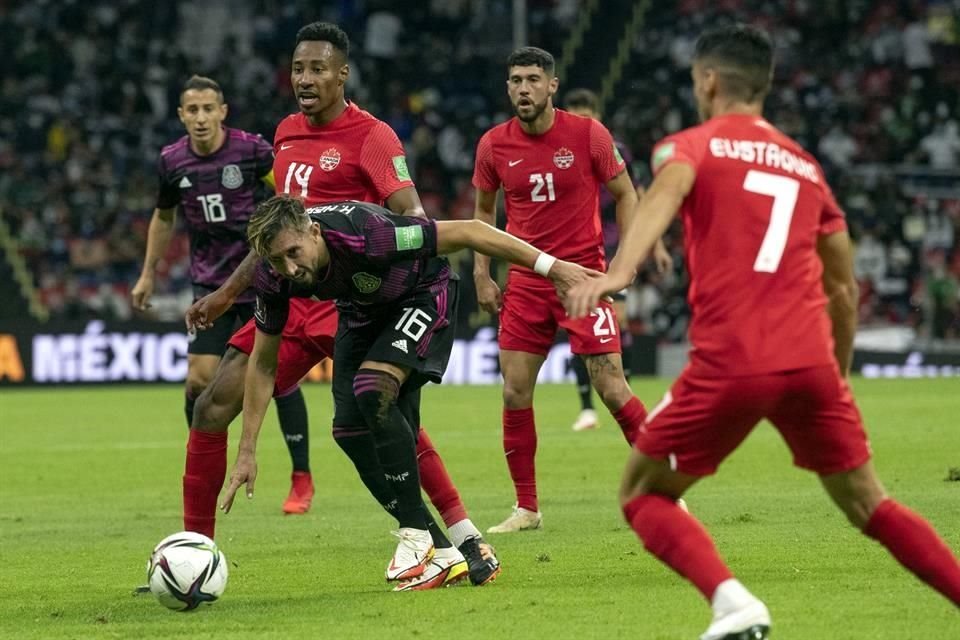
(205, 311)
(656, 210)
(406, 202)
(840, 285)
(159, 233)
(487, 240)
(489, 296)
(257, 390)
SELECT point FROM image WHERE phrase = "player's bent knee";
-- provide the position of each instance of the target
(376, 391)
(516, 397)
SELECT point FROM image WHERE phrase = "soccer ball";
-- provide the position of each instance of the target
(185, 570)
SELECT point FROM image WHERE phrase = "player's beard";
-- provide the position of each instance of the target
(537, 110)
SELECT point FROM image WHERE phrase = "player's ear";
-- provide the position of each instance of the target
(224, 109)
(343, 74)
(554, 85)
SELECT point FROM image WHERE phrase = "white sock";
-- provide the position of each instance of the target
(460, 531)
(729, 596)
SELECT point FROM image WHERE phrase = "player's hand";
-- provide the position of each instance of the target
(662, 258)
(205, 311)
(142, 292)
(584, 296)
(565, 275)
(244, 473)
(489, 296)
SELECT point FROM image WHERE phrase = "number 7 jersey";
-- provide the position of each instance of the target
(551, 184)
(751, 223)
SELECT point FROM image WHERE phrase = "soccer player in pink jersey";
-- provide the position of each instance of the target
(768, 250)
(551, 165)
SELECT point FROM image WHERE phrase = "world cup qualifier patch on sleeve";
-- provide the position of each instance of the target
(400, 166)
(663, 153)
(409, 237)
(616, 154)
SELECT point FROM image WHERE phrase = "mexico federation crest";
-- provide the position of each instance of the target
(231, 177)
(563, 158)
(365, 282)
(329, 159)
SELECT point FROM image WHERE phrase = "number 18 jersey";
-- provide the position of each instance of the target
(751, 224)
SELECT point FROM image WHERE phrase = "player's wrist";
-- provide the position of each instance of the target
(543, 264)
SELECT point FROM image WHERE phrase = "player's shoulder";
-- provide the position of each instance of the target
(577, 123)
(175, 148)
(240, 135)
(293, 123)
(500, 132)
(328, 213)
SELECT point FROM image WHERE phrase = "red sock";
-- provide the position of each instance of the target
(203, 477)
(915, 544)
(678, 540)
(520, 447)
(437, 483)
(630, 416)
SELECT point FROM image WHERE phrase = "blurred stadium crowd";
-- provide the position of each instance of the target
(89, 91)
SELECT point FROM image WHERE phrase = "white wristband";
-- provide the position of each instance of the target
(543, 264)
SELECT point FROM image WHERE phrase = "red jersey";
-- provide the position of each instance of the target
(751, 224)
(355, 157)
(551, 184)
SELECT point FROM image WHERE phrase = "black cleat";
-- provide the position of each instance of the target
(482, 560)
(756, 632)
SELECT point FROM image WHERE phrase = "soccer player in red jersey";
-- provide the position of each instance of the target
(212, 174)
(550, 165)
(331, 150)
(762, 346)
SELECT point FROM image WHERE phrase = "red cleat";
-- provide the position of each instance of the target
(301, 493)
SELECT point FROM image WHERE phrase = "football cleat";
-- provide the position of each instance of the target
(482, 560)
(683, 504)
(413, 554)
(520, 520)
(587, 419)
(750, 622)
(301, 493)
(447, 567)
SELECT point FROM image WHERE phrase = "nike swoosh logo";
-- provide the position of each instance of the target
(514, 163)
(605, 340)
(284, 147)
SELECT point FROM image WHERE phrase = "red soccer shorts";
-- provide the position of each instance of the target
(700, 421)
(532, 313)
(307, 339)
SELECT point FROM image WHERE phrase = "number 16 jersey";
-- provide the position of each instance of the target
(751, 222)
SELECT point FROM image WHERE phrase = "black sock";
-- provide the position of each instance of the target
(292, 414)
(376, 393)
(189, 402)
(584, 388)
(440, 539)
(360, 447)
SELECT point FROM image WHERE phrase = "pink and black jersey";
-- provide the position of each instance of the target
(377, 260)
(354, 157)
(217, 196)
(551, 184)
(751, 223)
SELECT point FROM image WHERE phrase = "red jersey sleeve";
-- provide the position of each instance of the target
(604, 157)
(832, 218)
(384, 162)
(680, 147)
(485, 175)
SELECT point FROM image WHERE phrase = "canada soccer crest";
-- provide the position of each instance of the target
(231, 177)
(329, 159)
(563, 158)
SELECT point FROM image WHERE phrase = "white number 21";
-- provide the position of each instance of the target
(784, 192)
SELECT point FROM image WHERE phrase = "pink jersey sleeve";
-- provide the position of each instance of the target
(604, 156)
(680, 147)
(485, 175)
(384, 162)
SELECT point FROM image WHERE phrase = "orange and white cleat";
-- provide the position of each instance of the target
(448, 567)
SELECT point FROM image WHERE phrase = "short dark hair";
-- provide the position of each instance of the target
(582, 99)
(326, 32)
(201, 83)
(532, 56)
(743, 57)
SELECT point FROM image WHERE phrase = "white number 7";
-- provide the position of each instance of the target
(784, 192)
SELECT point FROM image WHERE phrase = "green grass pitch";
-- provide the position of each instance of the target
(90, 481)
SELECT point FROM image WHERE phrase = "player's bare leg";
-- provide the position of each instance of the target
(648, 494)
(607, 377)
(520, 370)
(905, 534)
(587, 418)
(200, 371)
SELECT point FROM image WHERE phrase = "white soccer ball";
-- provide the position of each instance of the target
(186, 570)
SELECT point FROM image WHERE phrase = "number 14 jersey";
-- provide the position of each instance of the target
(751, 223)
(551, 184)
